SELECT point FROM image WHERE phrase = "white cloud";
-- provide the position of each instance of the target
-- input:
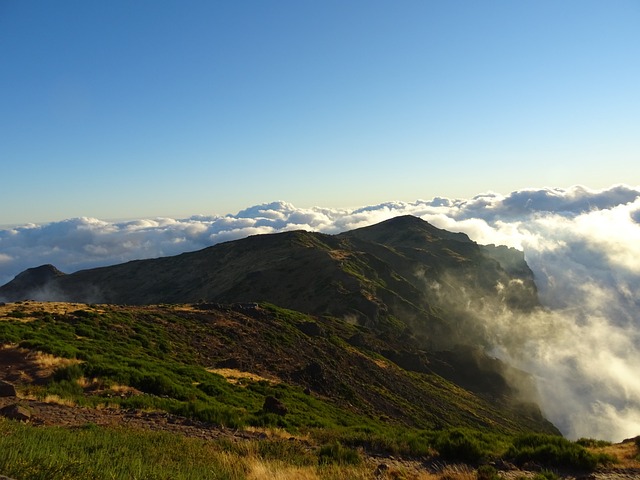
(583, 246)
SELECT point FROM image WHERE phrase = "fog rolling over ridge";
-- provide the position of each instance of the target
(582, 245)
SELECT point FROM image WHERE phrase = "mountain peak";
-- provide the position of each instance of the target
(37, 276)
(30, 280)
(404, 220)
(406, 229)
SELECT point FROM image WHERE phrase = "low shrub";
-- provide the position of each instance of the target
(464, 446)
(69, 389)
(546, 475)
(554, 451)
(338, 454)
(215, 414)
(487, 472)
(592, 443)
(69, 373)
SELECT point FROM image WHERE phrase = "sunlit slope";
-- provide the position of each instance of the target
(219, 363)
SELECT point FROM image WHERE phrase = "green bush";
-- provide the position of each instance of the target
(460, 445)
(553, 451)
(592, 443)
(338, 454)
(217, 415)
(487, 472)
(546, 475)
(65, 389)
(69, 373)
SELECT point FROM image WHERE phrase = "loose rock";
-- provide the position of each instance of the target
(273, 405)
(16, 412)
(7, 389)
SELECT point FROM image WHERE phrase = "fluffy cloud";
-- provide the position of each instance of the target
(583, 246)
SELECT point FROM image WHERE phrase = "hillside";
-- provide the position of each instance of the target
(163, 351)
(405, 283)
(247, 391)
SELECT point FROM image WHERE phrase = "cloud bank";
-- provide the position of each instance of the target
(583, 246)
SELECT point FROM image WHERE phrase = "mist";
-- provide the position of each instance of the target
(583, 246)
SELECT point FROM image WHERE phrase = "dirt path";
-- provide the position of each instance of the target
(46, 414)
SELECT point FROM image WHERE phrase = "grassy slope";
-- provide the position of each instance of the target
(165, 352)
(362, 401)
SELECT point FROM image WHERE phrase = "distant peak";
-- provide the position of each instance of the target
(405, 220)
(39, 275)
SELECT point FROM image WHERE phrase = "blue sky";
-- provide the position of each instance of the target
(162, 108)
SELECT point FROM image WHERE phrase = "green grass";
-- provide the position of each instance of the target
(338, 454)
(92, 452)
(99, 453)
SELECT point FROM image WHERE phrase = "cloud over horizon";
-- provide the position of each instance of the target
(583, 246)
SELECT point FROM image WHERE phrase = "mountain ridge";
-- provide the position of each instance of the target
(352, 269)
(405, 281)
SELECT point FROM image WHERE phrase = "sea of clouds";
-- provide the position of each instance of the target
(583, 246)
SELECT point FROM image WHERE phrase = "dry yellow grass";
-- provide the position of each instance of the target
(381, 363)
(454, 472)
(117, 388)
(87, 382)
(278, 433)
(626, 453)
(236, 376)
(407, 470)
(28, 309)
(47, 362)
(59, 401)
(262, 470)
(259, 470)
(107, 406)
(339, 254)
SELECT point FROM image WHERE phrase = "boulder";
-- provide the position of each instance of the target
(273, 405)
(7, 389)
(16, 412)
(311, 329)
